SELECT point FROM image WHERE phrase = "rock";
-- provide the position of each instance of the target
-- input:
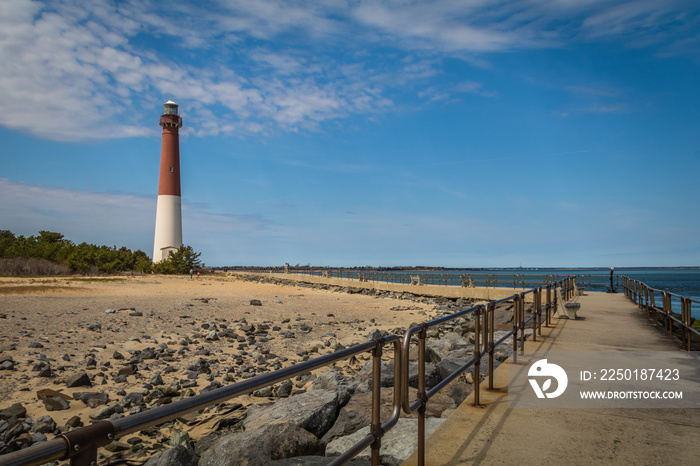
(312, 461)
(44, 424)
(16, 410)
(55, 403)
(315, 411)
(333, 379)
(131, 399)
(74, 422)
(110, 311)
(364, 377)
(78, 380)
(35, 344)
(176, 456)
(397, 444)
(449, 342)
(92, 399)
(117, 446)
(255, 302)
(44, 392)
(102, 413)
(283, 390)
(182, 438)
(127, 370)
(253, 447)
(7, 365)
(212, 336)
(264, 392)
(38, 437)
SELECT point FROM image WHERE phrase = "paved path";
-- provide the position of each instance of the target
(496, 434)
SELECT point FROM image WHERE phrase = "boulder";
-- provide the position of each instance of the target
(315, 411)
(313, 461)
(397, 444)
(453, 360)
(253, 447)
(176, 456)
(449, 342)
(333, 379)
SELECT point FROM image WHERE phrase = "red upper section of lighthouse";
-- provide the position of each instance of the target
(169, 181)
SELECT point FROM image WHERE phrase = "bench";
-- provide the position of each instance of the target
(571, 309)
(416, 280)
(565, 310)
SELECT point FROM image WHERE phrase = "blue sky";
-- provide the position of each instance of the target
(349, 133)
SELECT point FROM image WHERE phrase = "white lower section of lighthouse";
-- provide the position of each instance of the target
(168, 235)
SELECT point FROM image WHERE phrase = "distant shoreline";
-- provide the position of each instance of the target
(452, 269)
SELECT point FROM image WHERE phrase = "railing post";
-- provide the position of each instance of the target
(686, 317)
(376, 426)
(549, 305)
(83, 443)
(515, 328)
(421, 394)
(522, 323)
(536, 320)
(477, 353)
(490, 310)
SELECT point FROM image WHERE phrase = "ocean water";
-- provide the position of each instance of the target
(684, 282)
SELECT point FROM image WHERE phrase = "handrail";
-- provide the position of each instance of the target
(80, 445)
(483, 345)
(644, 296)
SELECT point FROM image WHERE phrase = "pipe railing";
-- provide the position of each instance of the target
(80, 445)
(484, 345)
(645, 297)
(517, 280)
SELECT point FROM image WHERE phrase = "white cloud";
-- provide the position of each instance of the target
(72, 69)
(129, 220)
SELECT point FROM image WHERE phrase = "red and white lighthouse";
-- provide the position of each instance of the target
(168, 236)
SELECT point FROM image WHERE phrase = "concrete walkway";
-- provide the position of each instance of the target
(496, 434)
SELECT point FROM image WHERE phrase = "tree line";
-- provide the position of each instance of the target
(50, 253)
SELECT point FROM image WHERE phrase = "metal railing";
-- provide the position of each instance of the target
(471, 279)
(80, 445)
(645, 297)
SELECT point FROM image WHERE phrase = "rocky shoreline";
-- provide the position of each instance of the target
(315, 413)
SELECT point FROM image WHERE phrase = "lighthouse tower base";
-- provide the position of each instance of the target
(168, 236)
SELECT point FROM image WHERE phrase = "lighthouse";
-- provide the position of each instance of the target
(168, 235)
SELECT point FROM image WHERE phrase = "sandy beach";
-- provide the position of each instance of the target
(99, 325)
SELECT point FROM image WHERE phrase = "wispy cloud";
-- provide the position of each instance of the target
(88, 216)
(98, 69)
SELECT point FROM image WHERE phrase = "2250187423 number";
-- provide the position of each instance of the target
(639, 374)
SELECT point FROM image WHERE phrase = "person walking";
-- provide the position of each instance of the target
(191, 273)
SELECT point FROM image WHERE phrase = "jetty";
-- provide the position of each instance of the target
(493, 433)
